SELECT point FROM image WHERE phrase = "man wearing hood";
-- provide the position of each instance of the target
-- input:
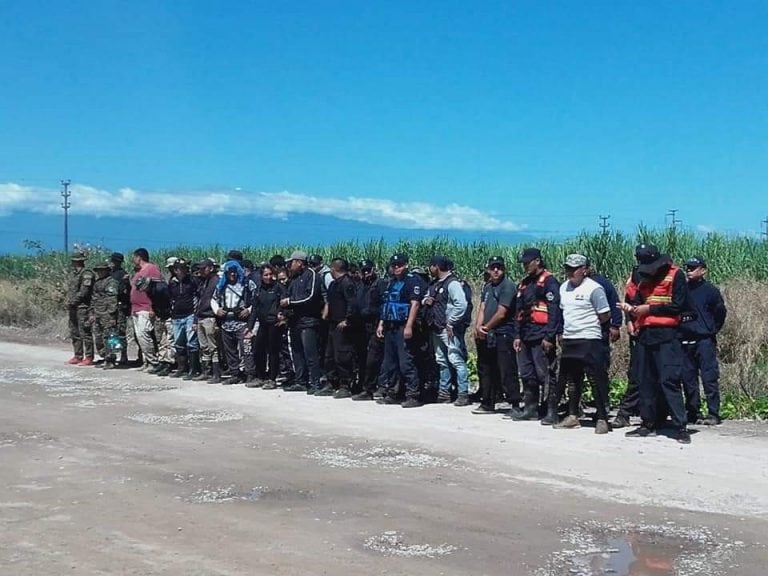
(655, 305)
(231, 303)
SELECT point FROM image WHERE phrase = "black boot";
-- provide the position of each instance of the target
(530, 409)
(164, 370)
(123, 363)
(551, 416)
(182, 367)
(215, 374)
(194, 365)
(344, 390)
(205, 372)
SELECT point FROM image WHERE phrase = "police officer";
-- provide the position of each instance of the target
(656, 305)
(371, 351)
(396, 326)
(105, 309)
(495, 332)
(123, 306)
(538, 323)
(305, 305)
(343, 329)
(424, 350)
(701, 323)
(79, 292)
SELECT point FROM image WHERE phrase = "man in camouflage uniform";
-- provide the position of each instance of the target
(104, 305)
(123, 304)
(79, 290)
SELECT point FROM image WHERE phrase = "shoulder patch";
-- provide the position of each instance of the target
(550, 296)
(417, 290)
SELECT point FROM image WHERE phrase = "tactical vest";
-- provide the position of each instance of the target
(438, 312)
(393, 309)
(539, 311)
(653, 293)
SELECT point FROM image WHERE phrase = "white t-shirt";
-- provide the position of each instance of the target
(581, 305)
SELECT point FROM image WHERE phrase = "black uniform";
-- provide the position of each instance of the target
(370, 352)
(340, 350)
(701, 323)
(305, 294)
(265, 309)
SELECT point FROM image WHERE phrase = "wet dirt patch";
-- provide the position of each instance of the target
(625, 549)
(232, 493)
(393, 543)
(379, 457)
(91, 383)
(187, 418)
(14, 438)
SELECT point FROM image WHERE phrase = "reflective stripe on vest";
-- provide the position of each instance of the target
(539, 310)
(654, 295)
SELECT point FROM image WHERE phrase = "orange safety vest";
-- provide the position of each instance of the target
(539, 310)
(654, 293)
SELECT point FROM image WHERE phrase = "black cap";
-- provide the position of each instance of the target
(441, 262)
(247, 264)
(235, 255)
(205, 263)
(117, 257)
(529, 254)
(366, 264)
(646, 253)
(315, 260)
(496, 261)
(399, 259)
(695, 262)
(277, 260)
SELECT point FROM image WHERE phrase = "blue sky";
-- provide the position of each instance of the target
(354, 119)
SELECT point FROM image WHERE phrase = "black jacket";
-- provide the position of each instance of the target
(205, 291)
(342, 300)
(183, 297)
(265, 304)
(706, 311)
(305, 294)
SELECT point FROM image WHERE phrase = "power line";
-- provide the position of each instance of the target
(604, 224)
(65, 194)
(674, 221)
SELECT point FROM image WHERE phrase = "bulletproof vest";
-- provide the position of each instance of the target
(371, 298)
(395, 308)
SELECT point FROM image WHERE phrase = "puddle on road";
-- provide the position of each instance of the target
(393, 543)
(381, 457)
(641, 550)
(187, 418)
(220, 494)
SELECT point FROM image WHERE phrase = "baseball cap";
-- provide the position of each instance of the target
(646, 253)
(170, 262)
(117, 257)
(419, 271)
(398, 260)
(247, 264)
(315, 260)
(366, 264)
(575, 261)
(529, 254)
(205, 263)
(497, 261)
(695, 262)
(298, 255)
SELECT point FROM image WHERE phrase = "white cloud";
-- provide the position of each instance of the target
(127, 201)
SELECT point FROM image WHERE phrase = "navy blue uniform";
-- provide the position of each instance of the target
(701, 323)
(538, 367)
(399, 352)
(370, 353)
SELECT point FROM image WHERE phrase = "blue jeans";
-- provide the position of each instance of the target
(451, 352)
(184, 338)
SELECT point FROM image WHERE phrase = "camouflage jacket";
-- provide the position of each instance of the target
(80, 288)
(105, 292)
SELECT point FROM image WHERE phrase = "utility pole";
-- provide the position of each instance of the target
(674, 221)
(765, 232)
(604, 224)
(65, 194)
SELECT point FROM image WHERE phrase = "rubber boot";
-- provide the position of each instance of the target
(215, 374)
(194, 365)
(123, 363)
(205, 372)
(165, 369)
(530, 409)
(182, 367)
(551, 417)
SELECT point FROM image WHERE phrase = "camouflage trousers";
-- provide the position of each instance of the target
(103, 324)
(80, 332)
(164, 339)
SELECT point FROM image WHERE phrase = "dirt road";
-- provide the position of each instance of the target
(125, 473)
